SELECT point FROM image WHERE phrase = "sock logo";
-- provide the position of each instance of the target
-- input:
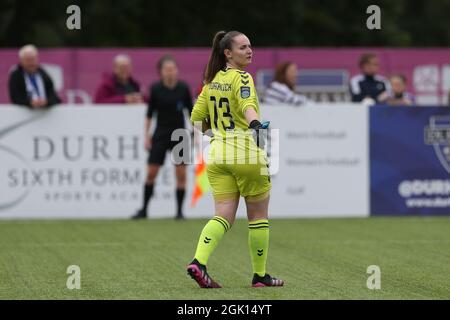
(207, 240)
(260, 252)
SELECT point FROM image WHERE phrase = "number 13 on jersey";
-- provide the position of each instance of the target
(222, 110)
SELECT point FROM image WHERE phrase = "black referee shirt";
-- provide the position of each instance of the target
(169, 104)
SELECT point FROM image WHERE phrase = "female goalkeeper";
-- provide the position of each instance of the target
(237, 164)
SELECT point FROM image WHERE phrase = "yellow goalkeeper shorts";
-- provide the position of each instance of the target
(247, 180)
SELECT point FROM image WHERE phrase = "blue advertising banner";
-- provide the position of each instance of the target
(409, 160)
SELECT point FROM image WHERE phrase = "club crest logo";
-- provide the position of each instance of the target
(437, 134)
(245, 92)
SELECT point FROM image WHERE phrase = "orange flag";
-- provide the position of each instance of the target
(201, 180)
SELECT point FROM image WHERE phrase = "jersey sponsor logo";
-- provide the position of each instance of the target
(245, 92)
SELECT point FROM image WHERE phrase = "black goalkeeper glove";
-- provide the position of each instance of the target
(259, 132)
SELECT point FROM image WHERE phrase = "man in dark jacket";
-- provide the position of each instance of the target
(119, 87)
(29, 84)
(369, 84)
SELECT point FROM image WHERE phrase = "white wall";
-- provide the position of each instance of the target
(79, 162)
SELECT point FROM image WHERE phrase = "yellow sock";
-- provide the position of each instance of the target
(211, 234)
(258, 243)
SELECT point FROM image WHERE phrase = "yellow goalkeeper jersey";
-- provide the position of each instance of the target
(224, 101)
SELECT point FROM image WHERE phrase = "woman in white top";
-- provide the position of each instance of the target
(281, 89)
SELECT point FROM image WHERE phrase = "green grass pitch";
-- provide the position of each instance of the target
(317, 258)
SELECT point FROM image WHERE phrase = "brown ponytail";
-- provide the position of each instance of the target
(217, 60)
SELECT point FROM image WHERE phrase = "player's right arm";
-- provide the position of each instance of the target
(200, 111)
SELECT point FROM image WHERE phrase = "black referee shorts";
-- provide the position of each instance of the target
(161, 143)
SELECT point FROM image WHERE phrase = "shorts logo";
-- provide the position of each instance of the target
(245, 92)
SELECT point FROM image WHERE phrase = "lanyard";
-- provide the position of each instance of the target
(34, 83)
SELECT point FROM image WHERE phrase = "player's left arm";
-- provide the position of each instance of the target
(245, 93)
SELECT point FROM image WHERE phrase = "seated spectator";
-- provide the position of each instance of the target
(29, 84)
(368, 84)
(282, 88)
(399, 96)
(119, 87)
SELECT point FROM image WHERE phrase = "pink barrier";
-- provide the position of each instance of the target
(79, 71)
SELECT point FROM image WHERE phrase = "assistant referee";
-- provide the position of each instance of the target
(168, 98)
